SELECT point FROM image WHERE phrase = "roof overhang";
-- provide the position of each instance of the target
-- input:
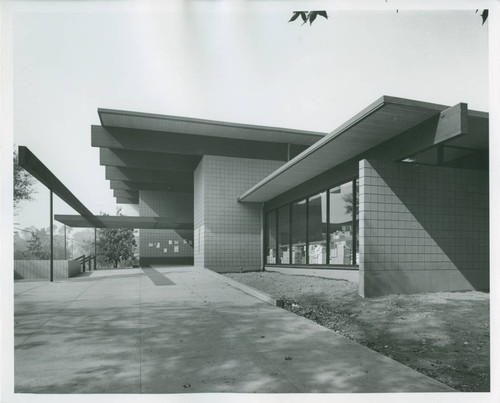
(144, 151)
(203, 127)
(77, 221)
(379, 122)
(35, 167)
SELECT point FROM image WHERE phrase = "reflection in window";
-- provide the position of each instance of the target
(299, 210)
(271, 237)
(284, 235)
(356, 223)
(317, 229)
(341, 209)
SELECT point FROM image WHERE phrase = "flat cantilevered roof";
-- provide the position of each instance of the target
(384, 119)
(35, 167)
(203, 127)
(77, 221)
(144, 151)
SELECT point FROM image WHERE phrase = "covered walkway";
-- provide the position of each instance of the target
(183, 330)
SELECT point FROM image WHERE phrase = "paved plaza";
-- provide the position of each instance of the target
(183, 330)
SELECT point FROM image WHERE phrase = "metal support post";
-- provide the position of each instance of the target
(65, 254)
(51, 238)
(95, 248)
(354, 218)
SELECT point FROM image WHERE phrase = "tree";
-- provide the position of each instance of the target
(308, 16)
(311, 15)
(116, 245)
(484, 15)
(23, 183)
(35, 247)
(348, 199)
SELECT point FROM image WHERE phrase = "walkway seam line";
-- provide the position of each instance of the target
(246, 289)
(32, 288)
(62, 310)
(140, 333)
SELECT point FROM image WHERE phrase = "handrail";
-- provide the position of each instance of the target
(84, 259)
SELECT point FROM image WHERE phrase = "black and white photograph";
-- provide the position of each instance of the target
(249, 200)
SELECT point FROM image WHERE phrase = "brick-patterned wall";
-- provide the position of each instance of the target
(229, 232)
(152, 243)
(40, 269)
(422, 228)
(199, 217)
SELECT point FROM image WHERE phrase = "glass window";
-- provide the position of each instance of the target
(284, 235)
(356, 222)
(299, 211)
(271, 237)
(317, 229)
(340, 224)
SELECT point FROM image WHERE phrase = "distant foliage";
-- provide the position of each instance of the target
(37, 246)
(36, 249)
(115, 245)
(308, 16)
(484, 15)
(348, 200)
(23, 183)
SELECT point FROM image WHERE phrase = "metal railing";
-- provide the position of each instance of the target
(87, 259)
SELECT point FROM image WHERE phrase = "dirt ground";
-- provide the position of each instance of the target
(444, 335)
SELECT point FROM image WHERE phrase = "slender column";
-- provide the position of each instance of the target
(290, 234)
(327, 226)
(95, 248)
(354, 216)
(51, 238)
(65, 254)
(278, 259)
(307, 230)
(262, 238)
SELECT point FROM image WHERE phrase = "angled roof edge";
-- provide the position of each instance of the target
(37, 168)
(136, 222)
(370, 109)
(181, 119)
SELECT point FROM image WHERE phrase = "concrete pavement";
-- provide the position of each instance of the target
(181, 330)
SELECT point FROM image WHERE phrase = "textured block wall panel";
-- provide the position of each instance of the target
(229, 232)
(199, 217)
(166, 246)
(175, 205)
(422, 228)
(74, 268)
(40, 269)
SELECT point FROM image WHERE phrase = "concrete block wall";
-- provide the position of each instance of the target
(228, 232)
(422, 228)
(40, 269)
(159, 246)
(199, 216)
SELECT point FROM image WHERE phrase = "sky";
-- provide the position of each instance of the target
(236, 61)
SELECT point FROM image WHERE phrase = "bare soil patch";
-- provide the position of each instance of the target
(443, 335)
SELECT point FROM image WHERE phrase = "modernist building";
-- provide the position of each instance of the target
(399, 192)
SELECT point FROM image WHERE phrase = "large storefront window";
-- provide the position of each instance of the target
(284, 235)
(356, 223)
(271, 237)
(317, 229)
(299, 215)
(341, 198)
